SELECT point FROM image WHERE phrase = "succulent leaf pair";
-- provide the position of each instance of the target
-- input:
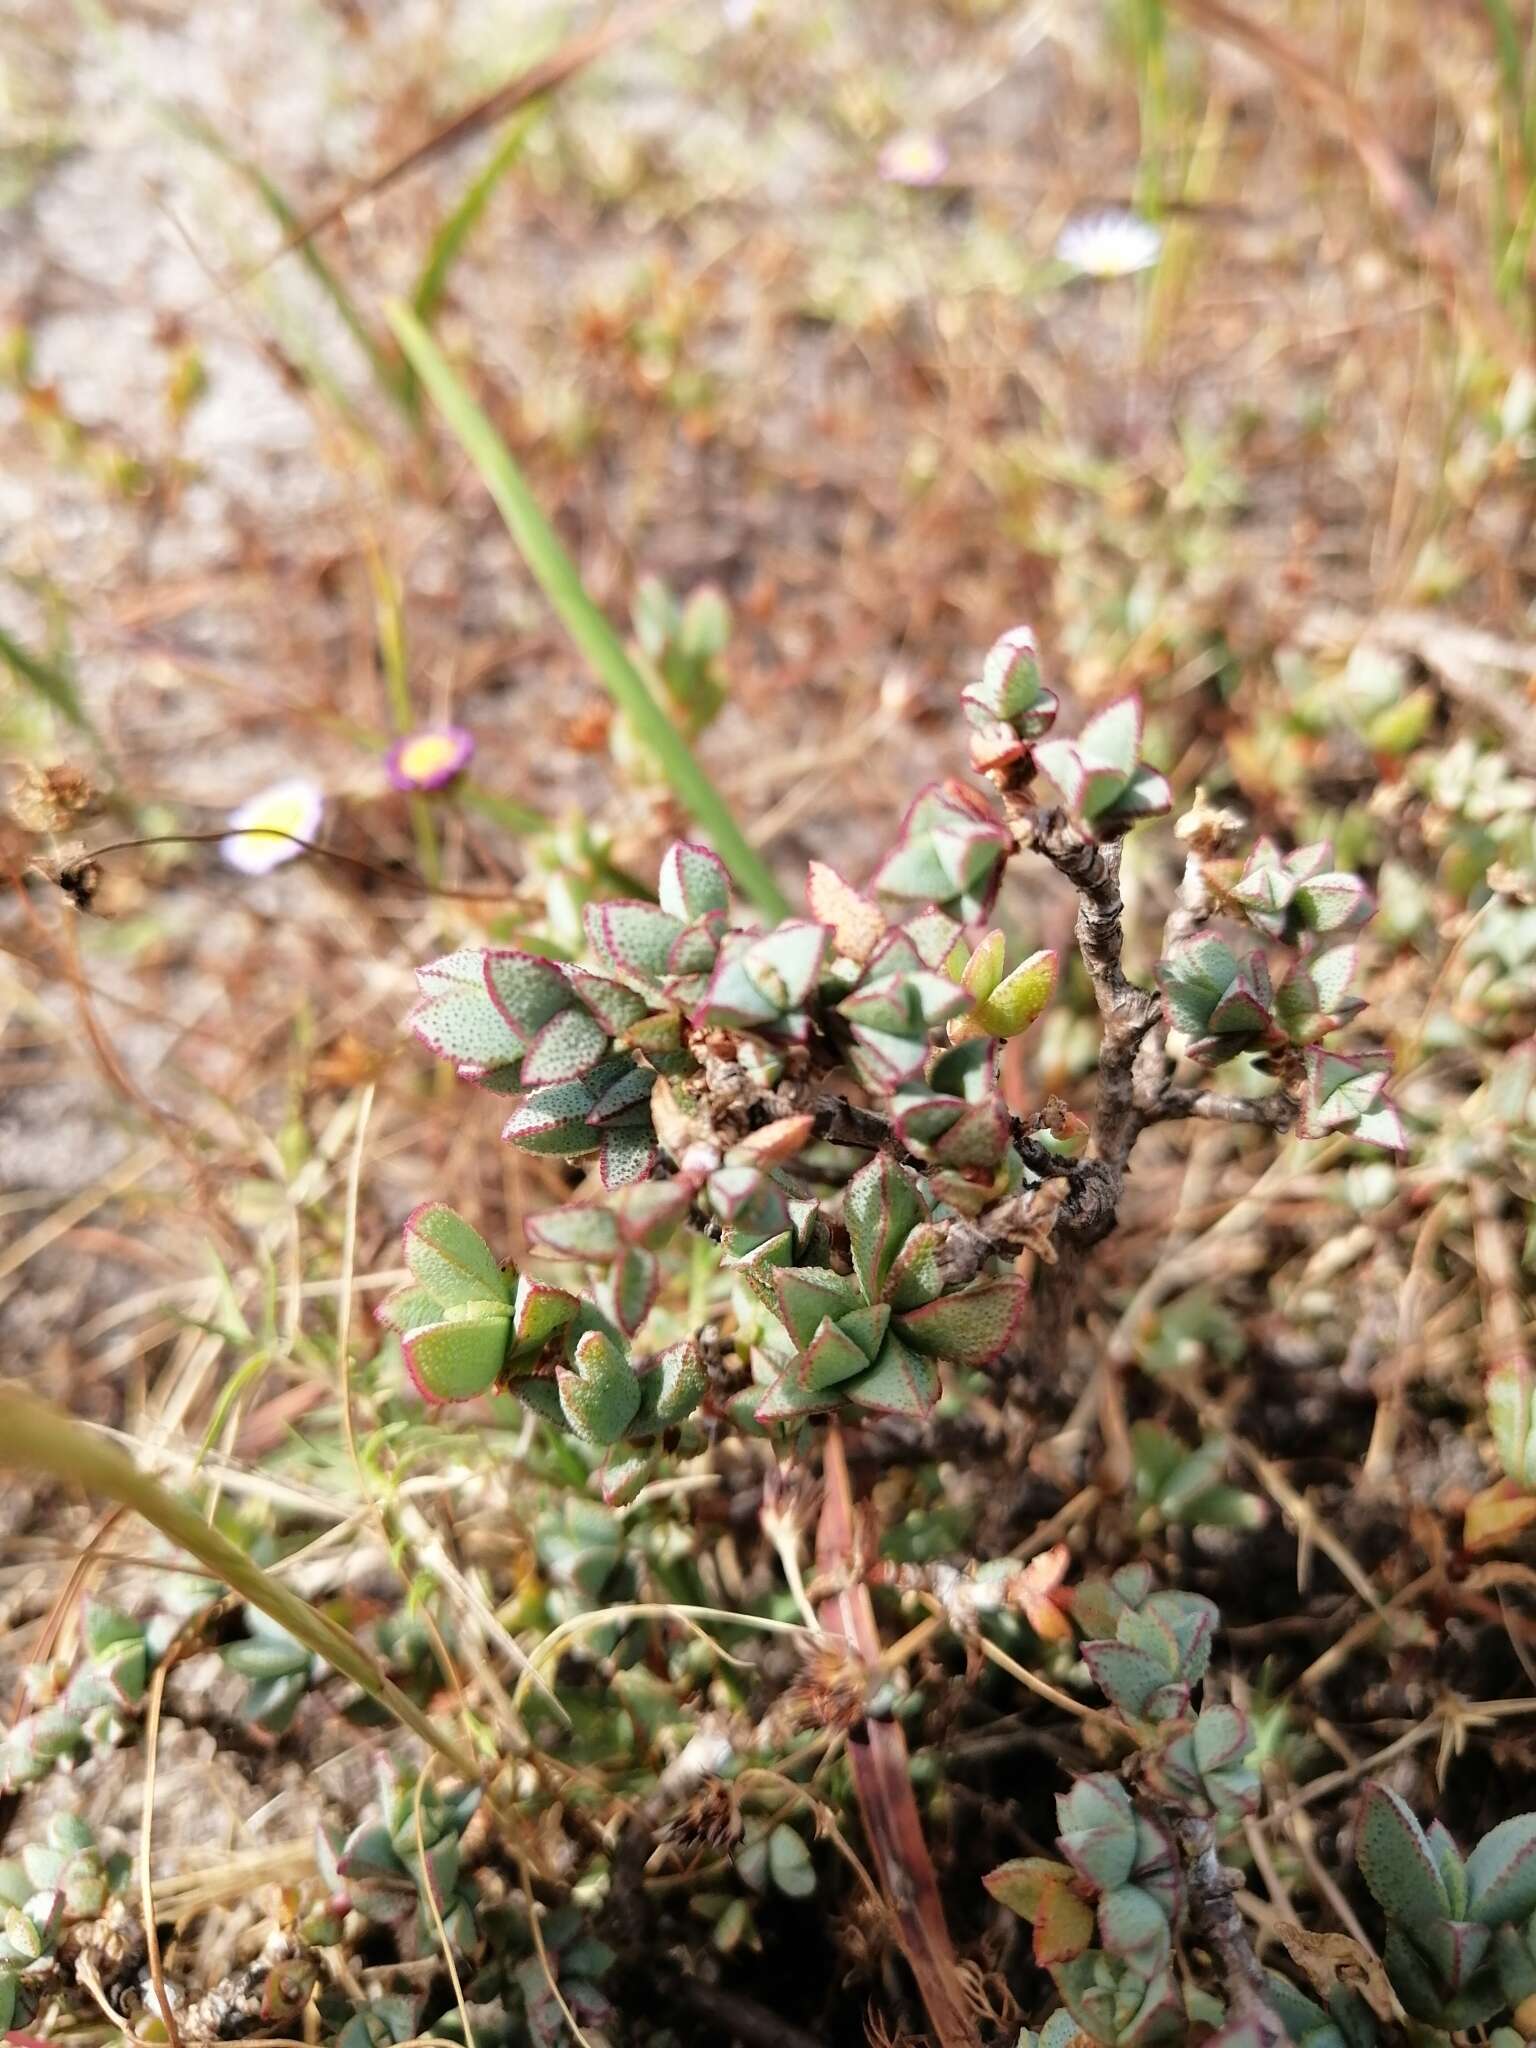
(386, 1869)
(51, 1886)
(954, 1118)
(949, 852)
(1121, 1876)
(1298, 896)
(1008, 707)
(464, 1327)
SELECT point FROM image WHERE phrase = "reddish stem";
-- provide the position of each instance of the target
(877, 1752)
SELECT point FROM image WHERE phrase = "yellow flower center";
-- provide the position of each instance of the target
(428, 754)
(289, 811)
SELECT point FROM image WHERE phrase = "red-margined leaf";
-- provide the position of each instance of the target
(450, 1259)
(972, 1326)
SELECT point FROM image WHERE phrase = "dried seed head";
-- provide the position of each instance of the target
(50, 799)
(711, 1819)
(832, 1691)
(1206, 828)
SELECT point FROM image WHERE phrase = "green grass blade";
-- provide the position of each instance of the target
(389, 374)
(557, 575)
(1511, 57)
(461, 222)
(39, 1439)
(51, 682)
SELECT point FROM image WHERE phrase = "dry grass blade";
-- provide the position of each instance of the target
(1427, 233)
(539, 79)
(146, 1840)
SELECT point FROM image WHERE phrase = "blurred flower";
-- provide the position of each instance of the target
(913, 159)
(429, 758)
(1109, 244)
(293, 808)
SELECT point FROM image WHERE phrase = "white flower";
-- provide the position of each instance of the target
(914, 159)
(1109, 244)
(254, 844)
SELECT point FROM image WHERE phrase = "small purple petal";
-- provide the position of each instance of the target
(429, 758)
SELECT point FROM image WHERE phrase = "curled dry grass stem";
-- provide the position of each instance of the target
(40, 1440)
(643, 1610)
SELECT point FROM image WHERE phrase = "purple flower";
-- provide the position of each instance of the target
(430, 757)
(914, 159)
(266, 829)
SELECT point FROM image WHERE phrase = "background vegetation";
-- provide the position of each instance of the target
(1279, 482)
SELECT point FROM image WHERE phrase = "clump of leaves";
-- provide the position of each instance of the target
(1461, 1931)
(96, 1706)
(50, 1889)
(811, 1195)
(1107, 786)
(1106, 1916)
(1225, 1002)
(409, 1861)
(1184, 1486)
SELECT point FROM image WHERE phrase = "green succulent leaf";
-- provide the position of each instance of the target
(449, 1259)
(1396, 1861)
(459, 1358)
(599, 1391)
(881, 1208)
(971, 1326)
(1501, 1872)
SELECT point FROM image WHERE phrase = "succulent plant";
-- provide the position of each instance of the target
(1314, 997)
(93, 1707)
(1107, 786)
(386, 1869)
(1223, 1005)
(874, 1337)
(464, 1328)
(898, 1005)
(1347, 1093)
(506, 1016)
(384, 2022)
(1202, 1766)
(763, 983)
(683, 643)
(1116, 2004)
(954, 1116)
(280, 1670)
(1511, 1397)
(1185, 1486)
(1158, 1654)
(1009, 691)
(1006, 1003)
(1346, 2022)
